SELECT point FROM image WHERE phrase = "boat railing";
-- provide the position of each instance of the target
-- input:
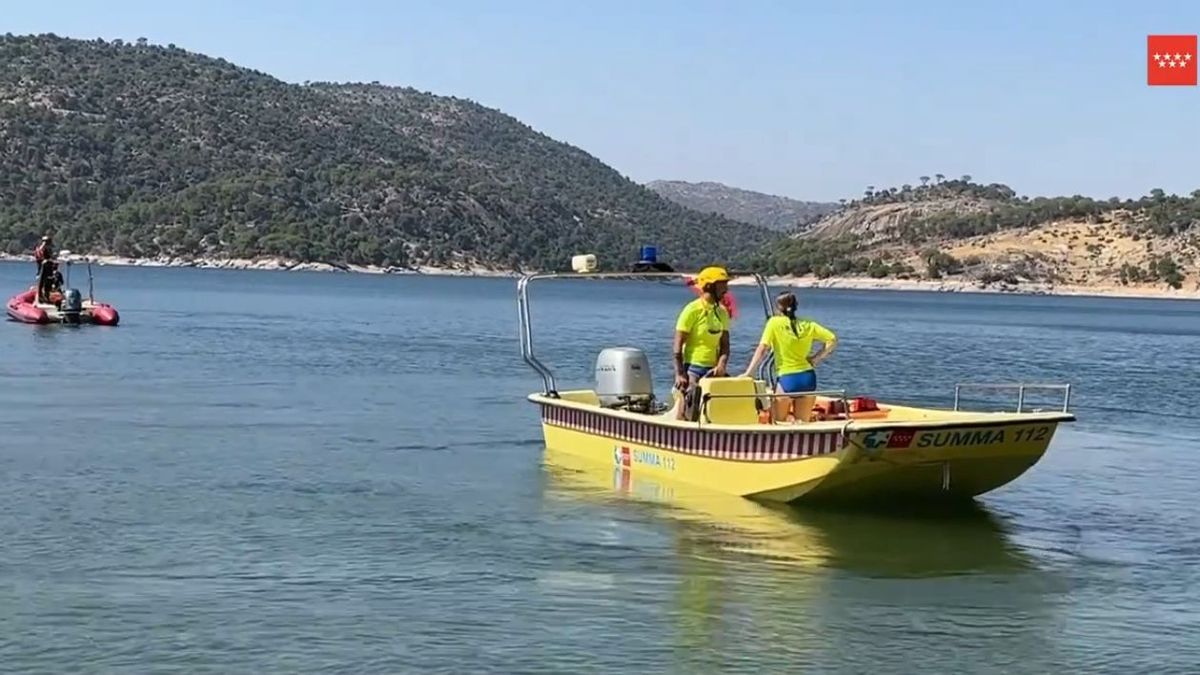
(1019, 387)
(549, 384)
(835, 394)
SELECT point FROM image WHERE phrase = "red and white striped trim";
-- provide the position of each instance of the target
(745, 446)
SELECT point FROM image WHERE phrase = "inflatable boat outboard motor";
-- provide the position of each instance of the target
(71, 306)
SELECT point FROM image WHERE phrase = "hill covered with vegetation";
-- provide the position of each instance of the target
(147, 151)
(771, 211)
(988, 235)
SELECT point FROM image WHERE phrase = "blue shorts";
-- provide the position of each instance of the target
(795, 383)
(699, 371)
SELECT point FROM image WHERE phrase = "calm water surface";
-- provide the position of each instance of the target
(284, 472)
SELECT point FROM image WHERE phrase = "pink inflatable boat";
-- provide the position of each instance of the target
(66, 306)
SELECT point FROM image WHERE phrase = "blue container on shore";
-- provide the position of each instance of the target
(649, 254)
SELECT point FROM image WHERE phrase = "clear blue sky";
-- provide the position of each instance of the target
(798, 98)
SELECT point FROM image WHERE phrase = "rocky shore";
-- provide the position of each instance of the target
(973, 286)
(849, 283)
(277, 264)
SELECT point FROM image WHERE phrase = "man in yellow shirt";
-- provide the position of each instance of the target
(701, 346)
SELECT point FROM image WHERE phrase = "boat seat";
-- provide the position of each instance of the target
(739, 410)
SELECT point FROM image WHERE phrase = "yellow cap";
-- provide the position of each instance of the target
(710, 275)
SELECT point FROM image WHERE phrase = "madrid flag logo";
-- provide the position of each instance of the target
(1171, 60)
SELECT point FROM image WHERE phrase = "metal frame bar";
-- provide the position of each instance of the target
(1021, 388)
(91, 279)
(549, 384)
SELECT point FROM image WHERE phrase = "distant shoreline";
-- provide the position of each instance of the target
(1158, 292)
(269, 264)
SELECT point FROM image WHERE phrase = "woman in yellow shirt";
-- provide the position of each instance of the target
(791, 339)
(701, 345)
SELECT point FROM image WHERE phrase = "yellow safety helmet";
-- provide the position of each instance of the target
(710, 275)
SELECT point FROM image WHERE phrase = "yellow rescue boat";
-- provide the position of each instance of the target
(868, 453)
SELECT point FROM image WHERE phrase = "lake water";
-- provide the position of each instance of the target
(291, 472)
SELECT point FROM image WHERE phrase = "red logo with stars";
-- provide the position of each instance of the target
(1171, 60)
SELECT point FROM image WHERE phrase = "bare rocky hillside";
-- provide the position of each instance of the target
(782, 214)
(989, 236)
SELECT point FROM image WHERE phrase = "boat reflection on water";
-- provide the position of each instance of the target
(901, 543)
(772, 588)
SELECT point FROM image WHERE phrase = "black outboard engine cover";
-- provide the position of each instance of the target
(72, 305)
(643, 266)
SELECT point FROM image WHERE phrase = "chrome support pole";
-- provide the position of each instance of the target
(548, 384)
(766, 369)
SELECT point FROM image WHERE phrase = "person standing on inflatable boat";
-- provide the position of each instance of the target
(792, 339)
(701, 347)
(44, 256)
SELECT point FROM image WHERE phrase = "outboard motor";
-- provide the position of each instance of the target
(71, 306)
(623, 380)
